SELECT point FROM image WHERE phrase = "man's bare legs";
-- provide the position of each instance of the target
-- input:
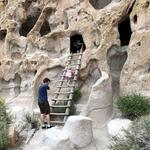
(48, 119)
(42, 120)
(45, 118)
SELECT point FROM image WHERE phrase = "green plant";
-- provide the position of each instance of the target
(3, 135)
(5, 120)
(133, 106)
(32, 120)
(136, 138)
(77, 95)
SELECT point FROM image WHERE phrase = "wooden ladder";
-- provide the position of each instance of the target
(64, 94)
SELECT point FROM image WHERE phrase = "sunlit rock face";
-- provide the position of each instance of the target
(36, 38)
(135, 74)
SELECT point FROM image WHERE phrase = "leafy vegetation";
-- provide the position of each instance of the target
(32, 120)
(133, 106)
(77, 95)
(136, 138)
(5, 120)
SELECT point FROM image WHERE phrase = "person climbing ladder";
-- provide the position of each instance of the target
(69, 75)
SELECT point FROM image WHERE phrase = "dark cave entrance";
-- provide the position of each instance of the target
(77, 44)
(125, 31)
(30, 22)
(117, 55)
(3, 34)
(99, 4)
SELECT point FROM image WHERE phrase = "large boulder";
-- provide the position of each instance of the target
(51, 139)
(79, 130)
(99, 105)
(116, 126)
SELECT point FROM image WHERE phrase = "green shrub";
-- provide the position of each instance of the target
(4, 115)
(133, 106)
(136, 138)
(76, 95)
(3, 135)
(32, 120)
(5, 120)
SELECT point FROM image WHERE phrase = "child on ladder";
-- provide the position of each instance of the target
(69, 75)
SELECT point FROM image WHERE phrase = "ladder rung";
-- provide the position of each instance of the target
(65, 80)
(73, 59)
(63, 92)
(57, 122)
(75, 54)
(75, 64)
(65, 75)
(75, 67)
(60, 99)
(60, 106)
(70, 86)
(59, 114)
(60, 80)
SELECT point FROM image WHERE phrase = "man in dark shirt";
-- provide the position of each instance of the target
(43, 102)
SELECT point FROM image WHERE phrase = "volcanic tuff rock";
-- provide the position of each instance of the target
(35, 39)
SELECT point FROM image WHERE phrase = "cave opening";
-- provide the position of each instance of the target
(99, 4)
(77, 43)
(125, 31)
(29, 24)
(3, 34)
(45, 29)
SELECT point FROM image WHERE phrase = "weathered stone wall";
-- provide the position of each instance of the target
(135, 74)
(35, 42)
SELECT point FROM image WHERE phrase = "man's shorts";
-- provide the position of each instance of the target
(44, 107)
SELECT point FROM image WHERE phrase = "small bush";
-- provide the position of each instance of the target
(137, 138)
(76, 95)
(5, 120)
(32, 120)
(133, 106)
(3, 135)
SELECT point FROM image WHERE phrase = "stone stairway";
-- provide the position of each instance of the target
(62, 99)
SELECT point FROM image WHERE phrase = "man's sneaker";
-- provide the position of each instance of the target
(48, 126)
(43, 126)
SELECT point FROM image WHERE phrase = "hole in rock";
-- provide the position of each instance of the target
(76, 43)
(146, 4)
(45, 29)
(99, 4)
(29, 24)
(125, 31)
(3, 34)
(135, 19)
(17, 81)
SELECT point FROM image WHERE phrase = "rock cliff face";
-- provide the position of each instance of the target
(35, 39)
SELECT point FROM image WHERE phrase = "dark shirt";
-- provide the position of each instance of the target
(42, 93)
